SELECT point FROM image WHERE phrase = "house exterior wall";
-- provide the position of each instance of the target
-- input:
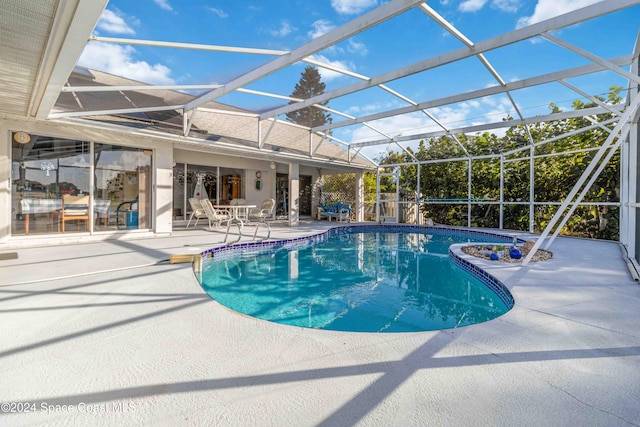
(166, 153)
(250, 166)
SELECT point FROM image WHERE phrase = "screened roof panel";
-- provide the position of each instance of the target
(466, 64)
(445, 80)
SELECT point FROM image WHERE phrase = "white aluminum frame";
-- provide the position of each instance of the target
(77, 18)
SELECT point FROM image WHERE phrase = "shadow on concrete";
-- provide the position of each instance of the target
(394, 373)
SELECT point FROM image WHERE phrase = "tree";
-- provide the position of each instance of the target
(310, 85)
(555, 174)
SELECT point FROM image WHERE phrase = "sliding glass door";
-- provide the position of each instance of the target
(53, 190)
(123, 192)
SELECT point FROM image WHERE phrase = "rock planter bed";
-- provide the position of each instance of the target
(485, 251)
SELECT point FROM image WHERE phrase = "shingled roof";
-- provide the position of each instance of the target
(214, 124)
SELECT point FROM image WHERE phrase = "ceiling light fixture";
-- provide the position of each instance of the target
(21, 137)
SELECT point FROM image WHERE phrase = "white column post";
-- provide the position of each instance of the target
(532, 171)
(469, 195)
(378, 195)
(92, 184)
(294, 194)
(632, 198)
(501, 192)
(629, 206)
(359, 196)
(396, 177)
(418, 197)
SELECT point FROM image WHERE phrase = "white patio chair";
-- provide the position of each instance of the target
(216, 217)
(264, 211)
(197, 211)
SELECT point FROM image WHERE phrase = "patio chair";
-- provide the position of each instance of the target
(342, 212)
(216, 217)
(74, 208)
(323, 212)
(197, 211)
(128, 208)
(338, 210)
(264, 211)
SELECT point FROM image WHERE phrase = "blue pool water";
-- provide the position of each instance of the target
(387, 281)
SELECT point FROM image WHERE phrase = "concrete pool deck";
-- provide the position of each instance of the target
(104, 334)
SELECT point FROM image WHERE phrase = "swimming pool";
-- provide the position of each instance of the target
(365, 279)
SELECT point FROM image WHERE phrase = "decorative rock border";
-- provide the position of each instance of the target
(480, 251)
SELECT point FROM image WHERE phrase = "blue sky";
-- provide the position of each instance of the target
(404, 40)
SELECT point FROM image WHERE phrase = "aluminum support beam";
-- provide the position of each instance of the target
(617, 133)
(501, 225)
(480, 93)
(521, 34)
(469, 195)
(368, 20)
(586, 188)
(72, 25)
(632, 77)
(532, 193)
(488, 126)
(418, 195)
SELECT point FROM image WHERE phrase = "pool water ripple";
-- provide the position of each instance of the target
(374, 279)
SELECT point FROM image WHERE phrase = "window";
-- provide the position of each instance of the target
(44, 169)
(50, 174)
(123, 184)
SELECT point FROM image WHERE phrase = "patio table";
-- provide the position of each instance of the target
(53, 206)
(235, 212)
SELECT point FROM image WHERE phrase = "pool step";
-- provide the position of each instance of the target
(195, 259)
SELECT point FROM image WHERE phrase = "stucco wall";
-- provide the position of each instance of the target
(165, 154)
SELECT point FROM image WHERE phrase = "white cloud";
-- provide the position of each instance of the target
(475, 104)
(164, 4)
(469, 113)
(546, 9)
(327, 74)
(320, 28)
(285, 29)
(471, 5)
(454, 116)
(502, 108)
(118, 60)
(476, 5)
(506, 5)
(351, 7)
(112, 22)
(360, 110)
(359, 48)
(221, 13)
(407, 124)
